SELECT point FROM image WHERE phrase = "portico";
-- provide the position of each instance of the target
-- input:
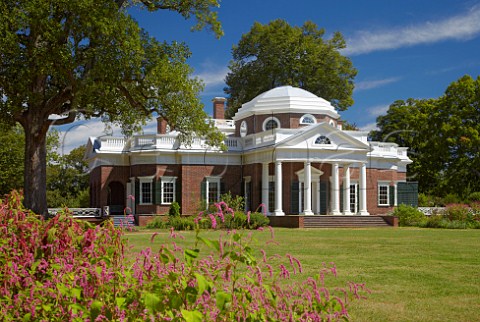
(310, 189)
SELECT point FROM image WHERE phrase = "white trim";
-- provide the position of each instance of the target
(267, 120)
(212, 179)
(304, 116)
(383, 184)
(243, 128)
(148, 180)
(168, 179)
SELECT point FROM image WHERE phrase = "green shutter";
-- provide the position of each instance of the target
(407, 193)
(157, 192)
(294, 201)
(323, 197)
(137, 192)
(178, 191)
(203, 188)
(392, 195)
(222, 188)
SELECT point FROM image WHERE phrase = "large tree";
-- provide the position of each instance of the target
(443, 135)
(60, 59)
(278, 54)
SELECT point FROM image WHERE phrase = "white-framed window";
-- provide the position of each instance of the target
(146, 190)
(168, 186)
(322, 139)
(383, 194)
(353, 198)
(243, 129)
(308, 119)
(271, 123)
(212, 189)
(331, 123)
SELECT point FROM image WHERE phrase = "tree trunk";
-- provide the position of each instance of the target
(35, 187)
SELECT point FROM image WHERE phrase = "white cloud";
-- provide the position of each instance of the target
(369, 127)
(213, 76)
(76, 134)
(377, 110)
(461, 27)
(370, 84)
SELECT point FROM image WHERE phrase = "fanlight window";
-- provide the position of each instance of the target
(271, 124)
(307, 119)
(322, 139)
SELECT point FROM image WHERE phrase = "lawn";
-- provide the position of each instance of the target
(413, 274)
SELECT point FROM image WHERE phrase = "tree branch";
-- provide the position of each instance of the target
(67, 120)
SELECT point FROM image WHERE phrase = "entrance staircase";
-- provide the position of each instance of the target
(322, 221)
(344, 221)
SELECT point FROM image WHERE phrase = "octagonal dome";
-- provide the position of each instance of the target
(286, 99)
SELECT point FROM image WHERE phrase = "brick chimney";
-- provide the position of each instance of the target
(161, 125)
(219, 108)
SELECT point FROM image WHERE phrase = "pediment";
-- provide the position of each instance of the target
(323, 136)
(314, 172)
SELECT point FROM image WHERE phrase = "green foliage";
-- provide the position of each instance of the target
(451, 198)
(443, 135)
(237, 202)
(67, 270)
(11, 158)
(278, 54)
(92, 59)
(458, 212)
(409, 216)
(174, 209)
(258, 220)
(474, 196)
(157, 222)
(236, 221)
(68, 180)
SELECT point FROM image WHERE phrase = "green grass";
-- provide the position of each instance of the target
(413, 274)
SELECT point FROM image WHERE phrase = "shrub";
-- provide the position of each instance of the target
(66, 270)
(237, 220)
(257, 220)
(157, 222)
(174, 210)
(458, 212)
(236, 203)
(451, 198)
(474, 197)
(181, 223)
(409, 216)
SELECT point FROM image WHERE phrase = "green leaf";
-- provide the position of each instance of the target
(120, 301)
(151, 301)
(202, 282)
(192, 316)
(76, 293)
(222, 299)
(214, 244)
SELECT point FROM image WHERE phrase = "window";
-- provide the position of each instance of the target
(243, 129)
(307, 119)
(168, 190)
(271, 196)
(353, 198)
(383, 196)
(146, 190)
(322, 139)
(271, 123)
(212, 190)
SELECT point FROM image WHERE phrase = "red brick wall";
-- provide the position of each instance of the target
(287, 120)
(192, 177)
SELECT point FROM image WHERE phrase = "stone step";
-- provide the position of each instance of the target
(343, 221)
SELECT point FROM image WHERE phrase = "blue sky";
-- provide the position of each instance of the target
(402, 49)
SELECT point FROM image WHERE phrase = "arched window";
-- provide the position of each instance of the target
(271, 123)
(308, 119)
(243, 129)
(322, 139)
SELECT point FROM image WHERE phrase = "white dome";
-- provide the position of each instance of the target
(286, 99)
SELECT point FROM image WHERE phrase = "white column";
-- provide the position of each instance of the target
(278, 189)
(307, 191)
(363, 190)
(346, 190)
(265, 179)
(207, 189)
(335, 190)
